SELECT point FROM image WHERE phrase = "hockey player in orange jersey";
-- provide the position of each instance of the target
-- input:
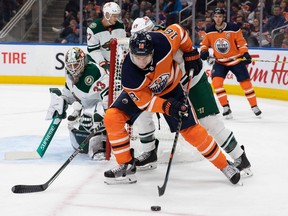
(231, 54)
(151, 82)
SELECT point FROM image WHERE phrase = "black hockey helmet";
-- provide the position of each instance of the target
(141, 44)
(219, 11)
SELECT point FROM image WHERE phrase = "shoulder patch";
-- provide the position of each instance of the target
(93, 25)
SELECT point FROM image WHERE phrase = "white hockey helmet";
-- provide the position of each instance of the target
(142, 24)
(75, 61)
(111, 8)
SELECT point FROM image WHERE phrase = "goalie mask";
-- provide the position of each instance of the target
(142, 24)
(75, 61)
(111, 9)
(141, 49)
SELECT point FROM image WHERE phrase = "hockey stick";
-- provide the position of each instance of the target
(161, 190)
(45, 142)
(211, 60)
(43, 187)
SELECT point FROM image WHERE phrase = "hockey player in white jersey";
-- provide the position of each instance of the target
(204, 103)
(87, 84)
(101, 31)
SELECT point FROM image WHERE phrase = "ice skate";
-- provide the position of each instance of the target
(147, 160)
(256, 110)
(227, 112)
(232, 173)
(122, 174)
(243, 165)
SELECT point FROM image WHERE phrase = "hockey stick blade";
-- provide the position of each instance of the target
(161, 190)
(43, 187)
(21, 155)
(29, 188)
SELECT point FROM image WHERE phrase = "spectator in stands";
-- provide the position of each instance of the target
(150, 14)
(139, 11)
(172, 9)
(127, 21)
(275, 21)
(284, 43)
(70, 34)
(264, 39)
(208, 13)
(71, 9)
(251, 39)
(126, 5)
(235, 7)
(221, 4)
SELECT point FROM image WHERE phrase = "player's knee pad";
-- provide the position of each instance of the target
(78, 136)
(115, 119)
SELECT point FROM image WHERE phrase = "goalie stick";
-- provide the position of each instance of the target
(43, 187)
(45, 142)
(161, 190)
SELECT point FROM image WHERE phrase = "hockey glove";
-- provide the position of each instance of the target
(58, 105)
(174, 108)
(192, 61)
(246, 58)
(204, 55)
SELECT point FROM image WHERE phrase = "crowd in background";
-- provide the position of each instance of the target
(245, 13)
(8, 8)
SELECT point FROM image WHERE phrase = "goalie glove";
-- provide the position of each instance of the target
(58, 105)
(92, 117)
(192, 61)
(174, 108)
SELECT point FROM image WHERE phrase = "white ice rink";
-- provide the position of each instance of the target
(194, 189)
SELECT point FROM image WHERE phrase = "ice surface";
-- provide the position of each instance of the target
(194, 189)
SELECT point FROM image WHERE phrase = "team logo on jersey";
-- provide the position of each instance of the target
(89, 80)
(133, 96)
(106, 46)
(222, 45)
(159, 84)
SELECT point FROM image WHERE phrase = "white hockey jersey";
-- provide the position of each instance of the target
(98, 39)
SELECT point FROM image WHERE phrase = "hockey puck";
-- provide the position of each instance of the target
(156, 208)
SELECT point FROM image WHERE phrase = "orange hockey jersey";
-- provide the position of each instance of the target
(227, 45)
(146, 86)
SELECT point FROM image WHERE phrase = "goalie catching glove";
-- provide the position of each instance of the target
(192, 61)
(175, 108)
(58, 105)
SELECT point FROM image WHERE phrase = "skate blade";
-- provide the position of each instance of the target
(146, 167)
(98, 157)
(240, 183)
(229, 116)
(121, 180)
(246, 172)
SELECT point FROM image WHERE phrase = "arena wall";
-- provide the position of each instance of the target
(44, 64)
